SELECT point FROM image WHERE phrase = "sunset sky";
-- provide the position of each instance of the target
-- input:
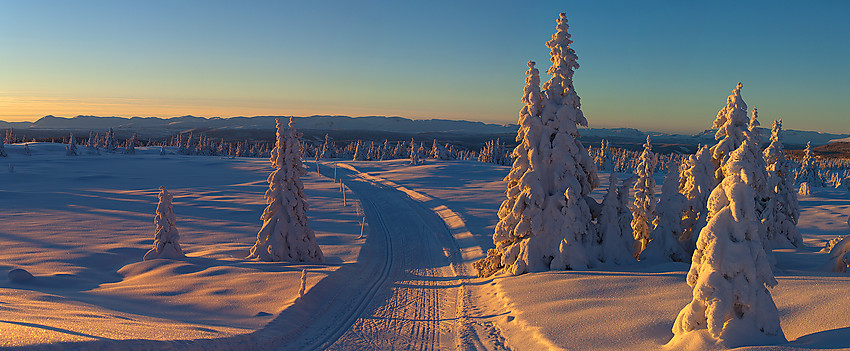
(652, 65)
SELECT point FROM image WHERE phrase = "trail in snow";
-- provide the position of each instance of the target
(424, 304)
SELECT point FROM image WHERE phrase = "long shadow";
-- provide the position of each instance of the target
(46, 327)
(832, 339)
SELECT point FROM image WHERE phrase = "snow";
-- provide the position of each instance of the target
(80, 226)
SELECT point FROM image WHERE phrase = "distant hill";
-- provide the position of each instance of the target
(375, 128)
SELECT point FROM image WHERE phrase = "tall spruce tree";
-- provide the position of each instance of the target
(545, 222)
(286, 234)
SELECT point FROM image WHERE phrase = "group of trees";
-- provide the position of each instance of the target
(738, 198)
(285, 234)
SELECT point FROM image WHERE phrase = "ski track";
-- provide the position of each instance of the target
(406, 292)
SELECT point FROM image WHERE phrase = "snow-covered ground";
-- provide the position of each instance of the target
(82, 224)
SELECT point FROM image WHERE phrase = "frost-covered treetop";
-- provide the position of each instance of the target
(563, 59)
(775, 151)
(531, 93)
(562, 110)
(732, 120)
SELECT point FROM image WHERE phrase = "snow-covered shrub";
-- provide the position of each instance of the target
(545, 222)
(839, 253)
(285, 234)
(166, 243)
(730, 271)
(804, 189)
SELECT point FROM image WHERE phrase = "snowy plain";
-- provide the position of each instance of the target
(82, 224)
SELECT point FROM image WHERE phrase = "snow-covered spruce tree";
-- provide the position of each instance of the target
(414, 154)
(439, 152)
(730, 272)
(696, 180)
(664, 242)
(753, 127)
(91, 145)
(615, 245)
(360, 151)
(3, 149)
(782, 210)
(606, 159)
(644, 205)
(545, 222)
(732, 126)
(285, 234)
(71, 149)
(109, 142)
(733, 131)
(810, 169)
(166, 243)
(131, 145)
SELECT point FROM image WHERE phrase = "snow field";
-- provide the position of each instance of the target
(634, 306)
(82, 224)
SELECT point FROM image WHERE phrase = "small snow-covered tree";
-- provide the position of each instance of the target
(615, 245)
(166, 242)
(782, 212)
(696, 180)
(414, 154)
(91, 145)
(286, 234)
(839, 253)
(109, 142)
(753, 127)
(606, 159)
(439, 152)
(71, 149)
(3, 149)
(730, 271)
(131, 145)
(360, 151)
(810, 169)
(644, 205)
(545, 222)
(664, 242)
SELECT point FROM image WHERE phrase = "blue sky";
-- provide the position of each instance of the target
(653, 65)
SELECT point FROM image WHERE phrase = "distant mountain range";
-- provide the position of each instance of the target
(374, 127)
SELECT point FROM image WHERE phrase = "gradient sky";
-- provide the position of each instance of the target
(652, 65)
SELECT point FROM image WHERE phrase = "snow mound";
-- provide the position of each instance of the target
(19, 276)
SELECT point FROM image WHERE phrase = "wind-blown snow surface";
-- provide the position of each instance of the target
(82, 224)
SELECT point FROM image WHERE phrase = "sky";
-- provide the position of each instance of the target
(653, 65)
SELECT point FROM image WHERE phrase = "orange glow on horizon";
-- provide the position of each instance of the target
(31, 108)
